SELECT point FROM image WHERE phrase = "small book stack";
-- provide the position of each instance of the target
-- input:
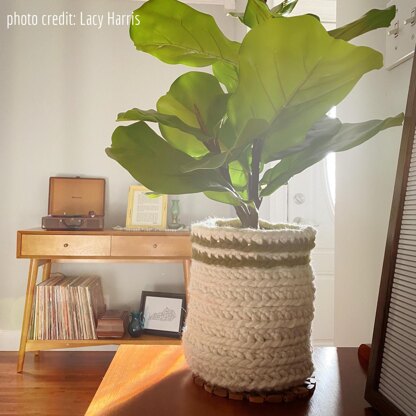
(67, 308)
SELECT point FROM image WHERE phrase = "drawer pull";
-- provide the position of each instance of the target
(66, 245)
(155, 245)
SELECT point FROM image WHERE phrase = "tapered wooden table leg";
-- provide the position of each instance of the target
(46, 270)
(31, 281)
(187, 277)
(45, 275)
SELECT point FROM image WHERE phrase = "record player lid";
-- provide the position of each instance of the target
(76, 196)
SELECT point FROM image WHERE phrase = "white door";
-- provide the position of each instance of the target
(309, 199)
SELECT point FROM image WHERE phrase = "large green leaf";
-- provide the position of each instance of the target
(178, 34)
(326, 127)
(292, 80)
(198, 100)
(373, 19)
(136, 114)
(156, 164)
(328, 135)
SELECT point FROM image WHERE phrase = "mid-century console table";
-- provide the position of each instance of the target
(46, 247)
(156, 381)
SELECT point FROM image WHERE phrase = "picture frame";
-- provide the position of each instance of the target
(144, 211)
(390, 388)
(164, 313)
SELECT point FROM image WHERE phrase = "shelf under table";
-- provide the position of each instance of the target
(50, 344)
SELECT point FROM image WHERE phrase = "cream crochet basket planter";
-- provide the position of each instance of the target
(251, 305)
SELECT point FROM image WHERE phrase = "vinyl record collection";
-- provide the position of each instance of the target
(67, 308)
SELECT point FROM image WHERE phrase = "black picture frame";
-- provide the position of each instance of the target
(172, 313)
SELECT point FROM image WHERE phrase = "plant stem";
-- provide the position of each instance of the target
(253, 190)
(252, 219)
(243, 216)
(247, 218)
(248, 215)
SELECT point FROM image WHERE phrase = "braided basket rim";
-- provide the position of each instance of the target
(231, 228)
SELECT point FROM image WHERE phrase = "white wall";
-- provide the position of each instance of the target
(365, 180)
(60, 92)
(61, 89)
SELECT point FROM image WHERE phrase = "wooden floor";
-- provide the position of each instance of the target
(55, 383)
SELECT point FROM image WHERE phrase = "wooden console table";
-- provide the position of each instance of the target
(46, 247)
(156, 381)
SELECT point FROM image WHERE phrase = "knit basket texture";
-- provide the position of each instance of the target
(251, 305)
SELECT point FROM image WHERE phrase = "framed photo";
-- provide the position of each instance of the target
(144, 211)
(164, 313)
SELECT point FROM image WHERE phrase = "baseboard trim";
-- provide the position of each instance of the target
(323, 343)
(9, 340)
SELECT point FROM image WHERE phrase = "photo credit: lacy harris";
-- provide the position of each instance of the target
(98, 20)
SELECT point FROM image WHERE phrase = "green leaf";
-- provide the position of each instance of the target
(374, 19)
(214, 161)
(156, 164)
(237, 14)
(198, 100)
(327, 136)
(178, 34)
(326, 127)
(153, 195)
(292, 80)
(226, 135)
(209, 161)
(239, 175)
(226, 74)
(256, 12)
(224, 197)
(168, 120)
(314, 16)
(284, 8)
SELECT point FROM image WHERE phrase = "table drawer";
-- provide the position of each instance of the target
(65, 245)
(151, 246)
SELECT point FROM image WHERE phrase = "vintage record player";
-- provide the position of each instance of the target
(75, 204)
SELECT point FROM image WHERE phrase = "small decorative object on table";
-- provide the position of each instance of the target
(144, 210)
(112, 324)
(163, 313)
(136, 324)
(175, 211)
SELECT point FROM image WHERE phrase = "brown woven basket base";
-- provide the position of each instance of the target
(301, 392)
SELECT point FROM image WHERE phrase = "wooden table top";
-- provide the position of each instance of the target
(155, 381)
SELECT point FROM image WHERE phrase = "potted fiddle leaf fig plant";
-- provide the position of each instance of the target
(266, 100)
